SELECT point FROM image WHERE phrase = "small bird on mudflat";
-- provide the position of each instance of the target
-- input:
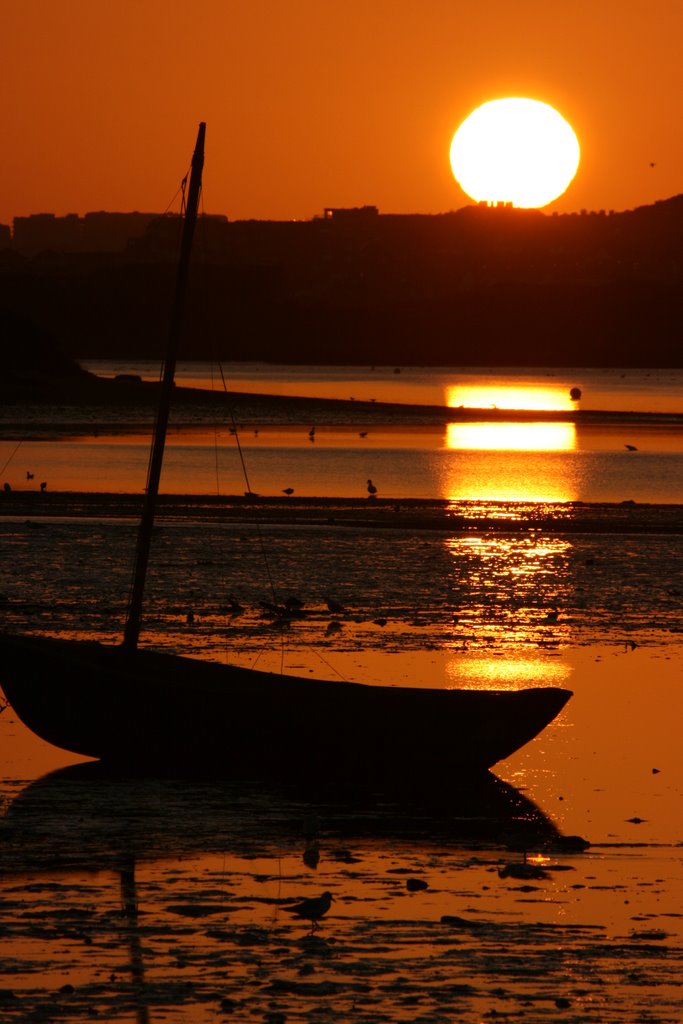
(289, 491)
(372, 490)
(312, 909)
(630, 448)
(335, 606)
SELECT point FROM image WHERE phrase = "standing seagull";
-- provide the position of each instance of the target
(372, 490)
(311, 434)
(312, 909)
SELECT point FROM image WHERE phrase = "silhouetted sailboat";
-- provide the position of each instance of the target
(163, 713)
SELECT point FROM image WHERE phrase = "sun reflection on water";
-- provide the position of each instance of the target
(521, 437)
(528, 467)
(506, 592)
(506, 673)
(509, 396)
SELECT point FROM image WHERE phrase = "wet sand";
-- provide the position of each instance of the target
(161, 901)
(134, 900)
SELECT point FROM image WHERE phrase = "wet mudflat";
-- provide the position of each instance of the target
(134, 900)
(130, 900)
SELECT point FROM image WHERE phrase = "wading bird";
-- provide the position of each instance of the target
(312, 909)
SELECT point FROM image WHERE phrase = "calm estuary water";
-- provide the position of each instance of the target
(633, 459)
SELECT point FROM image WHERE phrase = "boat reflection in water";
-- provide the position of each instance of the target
(127, 880)
(87, 818)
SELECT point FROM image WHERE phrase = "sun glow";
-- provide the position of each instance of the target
(515, 150)
(511, 461)
(509, 437)
(503, 396)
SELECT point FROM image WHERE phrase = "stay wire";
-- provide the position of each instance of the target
(240, 451)
(14, 452)
(232, 421)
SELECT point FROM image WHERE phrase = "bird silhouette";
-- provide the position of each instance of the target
(289, 491)
(630, 448)
(43, 485)
(363, 433)
(29, 475)
(311, 434)
(312, 909)
(334, 606)
(372, 490)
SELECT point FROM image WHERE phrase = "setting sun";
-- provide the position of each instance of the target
(515, 150)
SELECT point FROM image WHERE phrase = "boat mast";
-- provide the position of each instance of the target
(132, 628)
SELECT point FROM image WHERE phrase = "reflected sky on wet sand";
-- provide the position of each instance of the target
(183, 911)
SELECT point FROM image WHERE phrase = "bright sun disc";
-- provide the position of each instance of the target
(515, 151)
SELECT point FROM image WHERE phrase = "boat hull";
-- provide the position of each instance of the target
(159, 712)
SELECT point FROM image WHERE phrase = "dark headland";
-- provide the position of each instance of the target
(479, 286)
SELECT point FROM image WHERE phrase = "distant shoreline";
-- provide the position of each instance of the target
(49, 410)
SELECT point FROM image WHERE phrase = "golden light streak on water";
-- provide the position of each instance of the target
(521, 437)
(510, 477)
(513, 396)
(497, 673)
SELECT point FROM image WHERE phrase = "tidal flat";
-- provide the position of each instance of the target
(166, 900)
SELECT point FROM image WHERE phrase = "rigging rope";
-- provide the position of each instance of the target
(231, 415)
(14, 452)
(259, 533)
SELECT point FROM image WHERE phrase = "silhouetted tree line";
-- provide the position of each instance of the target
(476, 287)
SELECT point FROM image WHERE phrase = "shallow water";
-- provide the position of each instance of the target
(406, 455)
(425, 464)
(157, 901)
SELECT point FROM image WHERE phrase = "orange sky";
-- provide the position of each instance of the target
(313, 103)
